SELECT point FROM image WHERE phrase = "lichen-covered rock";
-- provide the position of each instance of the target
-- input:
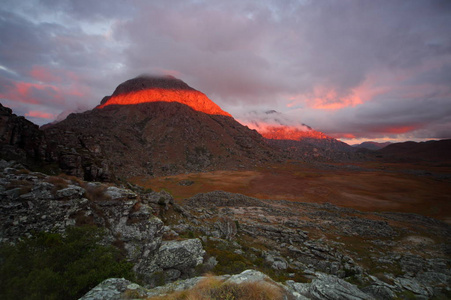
(277, 262)
(71, 192)
(414, 286)
(380, 292)
(329, 287)
(115, 289)
(248, 276)
(119, 193)
(180, 255)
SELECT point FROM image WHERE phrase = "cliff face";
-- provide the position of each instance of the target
(20, 139)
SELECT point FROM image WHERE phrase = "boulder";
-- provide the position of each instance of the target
(180, 255)
(120, 193)
(114, 289)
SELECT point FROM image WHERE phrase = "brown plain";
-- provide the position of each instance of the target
(366, 186)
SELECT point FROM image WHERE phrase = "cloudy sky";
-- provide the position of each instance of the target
(356, 70)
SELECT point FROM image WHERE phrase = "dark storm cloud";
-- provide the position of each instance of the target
(88, 9)
(49, 64)
(22, 43)
(362, 68)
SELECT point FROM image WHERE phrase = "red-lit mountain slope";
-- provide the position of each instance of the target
(297, 140)
(146, 89)
(142, 130)
(283, 132)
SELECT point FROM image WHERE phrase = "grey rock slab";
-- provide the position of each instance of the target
(413, 286)
(180, 255)
(379, 292)
(120, 193)
(334, 288)
(434, 279)
(71, 192)
(248, 276)
(180, 285)
(109, 289)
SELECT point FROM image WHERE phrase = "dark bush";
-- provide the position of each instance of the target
(52, 266)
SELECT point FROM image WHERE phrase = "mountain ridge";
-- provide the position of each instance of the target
(370, 145)
(433, 150)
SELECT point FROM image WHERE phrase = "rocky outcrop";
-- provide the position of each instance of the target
(112, 289)
(31, 202)
(323, 287)
(172, 260)
(308, 238)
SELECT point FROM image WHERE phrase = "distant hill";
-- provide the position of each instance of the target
(422, 151)
(371, 145)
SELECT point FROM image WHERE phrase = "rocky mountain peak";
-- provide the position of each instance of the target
(145, 89)
(145, 82)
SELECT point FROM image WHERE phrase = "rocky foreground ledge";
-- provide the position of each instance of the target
(324, 287)
(311, 251)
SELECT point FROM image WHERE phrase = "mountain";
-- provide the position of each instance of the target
(154, 126)
(422, 151)
(371, 145)
(297, 140)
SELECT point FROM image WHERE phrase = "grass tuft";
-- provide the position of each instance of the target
(211, 288)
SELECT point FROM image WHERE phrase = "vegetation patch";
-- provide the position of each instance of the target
(96, 192)
(228, 261)
(53, 266)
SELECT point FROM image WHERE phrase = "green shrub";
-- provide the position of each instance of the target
(52, 266)
(228, 261)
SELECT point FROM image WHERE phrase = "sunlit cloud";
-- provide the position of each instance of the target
(32, 93)
(40, 114)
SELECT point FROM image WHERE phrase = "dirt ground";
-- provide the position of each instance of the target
(367, 186)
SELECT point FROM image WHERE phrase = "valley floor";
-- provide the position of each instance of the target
(369, 186)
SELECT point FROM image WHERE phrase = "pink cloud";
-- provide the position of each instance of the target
(330, 98)
(40, 114)
(400, 129)
(44, 74)
(33, 93)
